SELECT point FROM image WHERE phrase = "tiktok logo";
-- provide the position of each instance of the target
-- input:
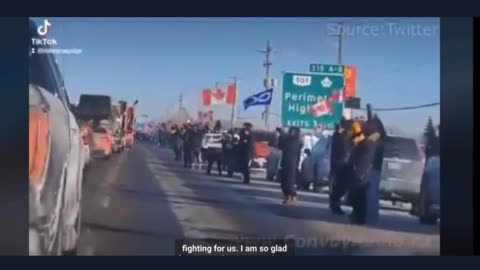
(44, 29)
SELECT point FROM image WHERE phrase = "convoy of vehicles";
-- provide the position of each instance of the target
(109, 123)
(63, 138)
(128, 125)
(97, 111)
(118, 113)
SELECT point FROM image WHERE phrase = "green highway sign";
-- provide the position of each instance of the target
(321, 68)
(310, 100)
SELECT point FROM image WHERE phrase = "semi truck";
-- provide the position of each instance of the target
(118, 131)
(96, 115)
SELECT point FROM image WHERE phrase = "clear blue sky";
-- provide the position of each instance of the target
(155, 59)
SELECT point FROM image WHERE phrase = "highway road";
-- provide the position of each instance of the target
(140, 201)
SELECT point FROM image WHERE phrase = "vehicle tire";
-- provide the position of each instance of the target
(425, 217)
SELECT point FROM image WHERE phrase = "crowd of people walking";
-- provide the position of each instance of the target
(188, 144)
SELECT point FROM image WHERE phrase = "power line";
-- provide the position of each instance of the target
(405, 108)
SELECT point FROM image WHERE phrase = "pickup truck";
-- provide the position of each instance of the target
(56, 159)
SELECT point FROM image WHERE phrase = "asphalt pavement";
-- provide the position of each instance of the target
(140, 201)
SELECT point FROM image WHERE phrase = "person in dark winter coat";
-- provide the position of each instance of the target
(217, 127)
(187, 136)
(229, 144)
(375, 126)
(196, 141)
(245, 151)
(291, 147)
(361, 164)
(342, 146)
(177, 142)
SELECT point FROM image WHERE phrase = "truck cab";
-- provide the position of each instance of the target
(99, 110)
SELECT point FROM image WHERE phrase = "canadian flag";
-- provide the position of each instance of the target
(322, 108)
(220, 96)
(325, 107)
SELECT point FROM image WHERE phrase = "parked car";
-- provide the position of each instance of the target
(319, 164)
(402, 170)
(56, 159)
(427, 207)
(273, 163)
(262, 139)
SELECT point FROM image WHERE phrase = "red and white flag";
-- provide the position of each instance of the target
(322, 108)
(325, 107)
(220, 96)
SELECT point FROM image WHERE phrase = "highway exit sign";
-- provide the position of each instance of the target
(312, 100)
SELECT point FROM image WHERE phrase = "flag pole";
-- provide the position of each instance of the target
(233, 116)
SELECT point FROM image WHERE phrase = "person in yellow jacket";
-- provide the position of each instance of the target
(361, 163)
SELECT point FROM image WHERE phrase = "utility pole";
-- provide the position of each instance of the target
(180, 104)
(348, 113)
(340, 42)
(267, 65)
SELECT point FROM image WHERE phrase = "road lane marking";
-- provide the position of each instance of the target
(198, 221)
